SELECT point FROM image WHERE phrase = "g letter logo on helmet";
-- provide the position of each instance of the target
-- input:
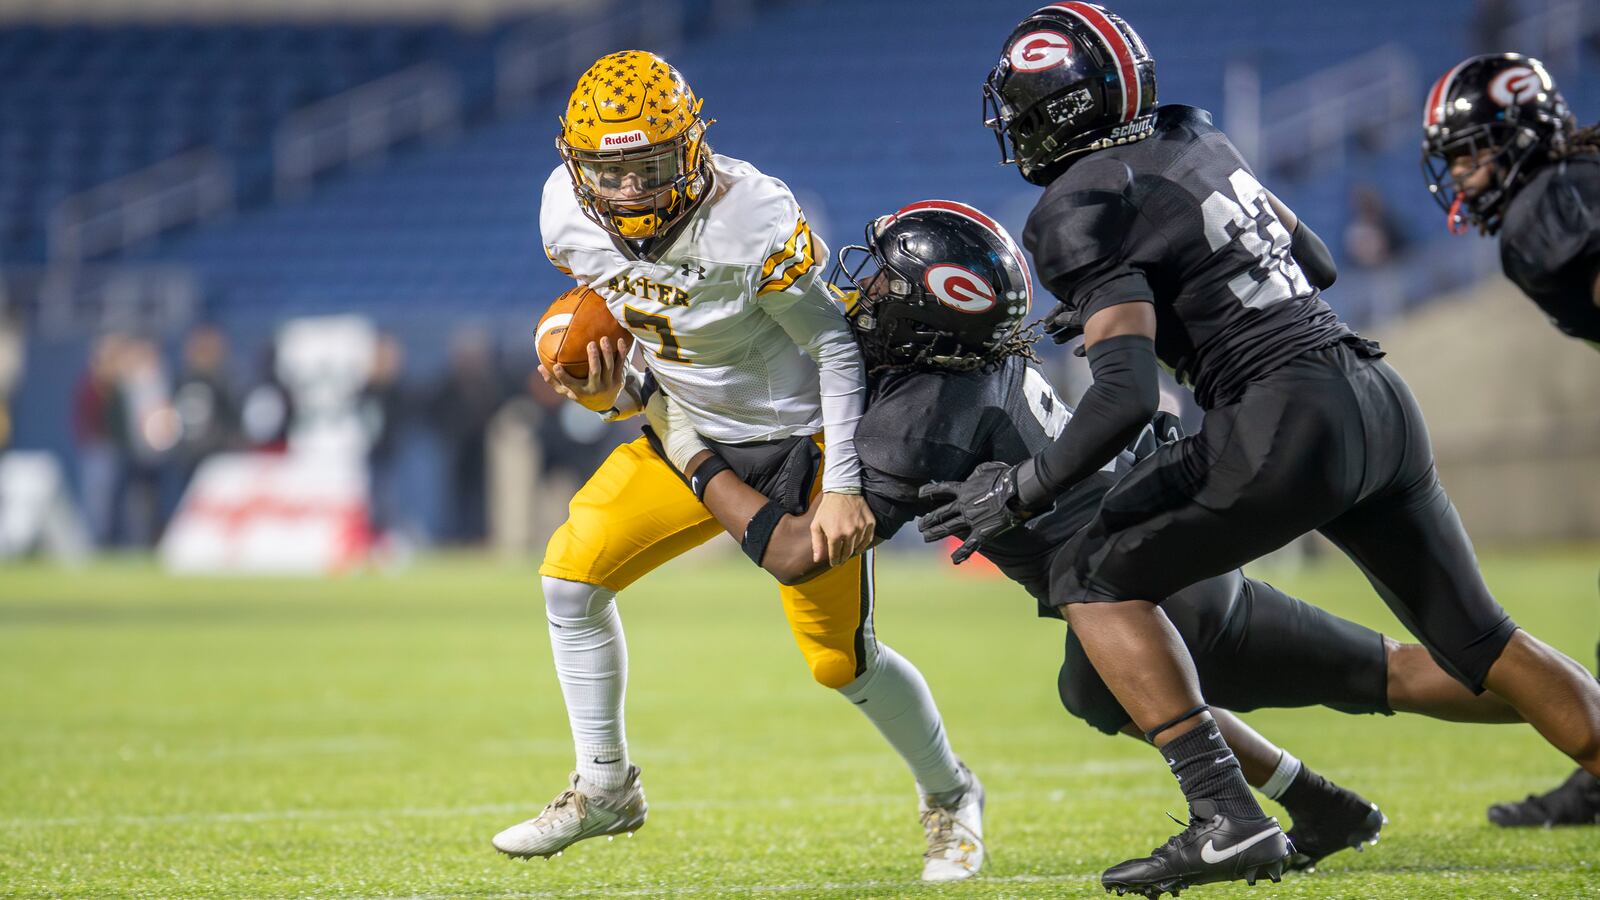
(959, 288)
(623, 139)
(1040, 50)
(1518, 84)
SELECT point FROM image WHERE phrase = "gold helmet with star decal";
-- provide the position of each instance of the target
(634, 143)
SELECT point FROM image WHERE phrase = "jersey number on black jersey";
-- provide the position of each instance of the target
(1248, 217)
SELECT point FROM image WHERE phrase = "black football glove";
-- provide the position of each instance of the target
(1063, 324)
(980, 507)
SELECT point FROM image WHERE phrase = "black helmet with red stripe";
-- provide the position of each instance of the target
(1504, 103)
(937, 284)
(1073, 77)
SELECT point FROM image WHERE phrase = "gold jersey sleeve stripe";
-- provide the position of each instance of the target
(550, 254)
(777, 259)
(808, 258)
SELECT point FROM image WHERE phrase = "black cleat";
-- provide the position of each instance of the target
(1575, 802)
(1350, 822)
(1213, 848)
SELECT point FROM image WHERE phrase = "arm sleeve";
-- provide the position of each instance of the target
(1117, 406)
(1312, 254)
(790, 289)
(813, 322)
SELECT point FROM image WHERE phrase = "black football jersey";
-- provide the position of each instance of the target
(922, 427)
(1179, 220)
(1550, 243)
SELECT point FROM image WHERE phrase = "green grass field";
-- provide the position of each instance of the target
(365, 737)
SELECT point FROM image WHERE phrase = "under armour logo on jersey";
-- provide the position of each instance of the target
(698, 271)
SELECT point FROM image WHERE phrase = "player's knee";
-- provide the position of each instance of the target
(1087, 698)
(833, 668)
(565, 599)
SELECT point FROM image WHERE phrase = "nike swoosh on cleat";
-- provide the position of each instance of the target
(858, 702)
(1212, 855)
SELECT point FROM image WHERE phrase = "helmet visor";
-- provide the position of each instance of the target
(632, 179)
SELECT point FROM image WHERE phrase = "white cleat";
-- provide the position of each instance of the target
(955, 835)
(579, 812)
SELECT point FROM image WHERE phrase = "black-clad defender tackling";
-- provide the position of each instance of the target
(1160, 243)
(951, 389)
(1502, 152)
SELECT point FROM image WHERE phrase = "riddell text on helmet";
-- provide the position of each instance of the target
(625, 139)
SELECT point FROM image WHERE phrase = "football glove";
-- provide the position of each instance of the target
(982, 507)
(1062, 324)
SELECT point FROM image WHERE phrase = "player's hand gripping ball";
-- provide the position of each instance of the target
(581, 348)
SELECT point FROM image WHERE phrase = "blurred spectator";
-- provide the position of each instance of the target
(385, 411)
(267, 410)
(1373, 243)
(1372, 238)
(1492, 21)
(145, 428)
(461, 406)
(93, 434)
(10, 369)
(208, 410)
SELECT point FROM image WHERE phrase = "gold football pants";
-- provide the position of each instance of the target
(635, 513)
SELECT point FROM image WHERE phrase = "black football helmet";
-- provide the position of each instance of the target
(1073, 77)
(1504, 102)
(938, 284)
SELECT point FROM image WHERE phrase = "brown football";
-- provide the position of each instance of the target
(573, 320)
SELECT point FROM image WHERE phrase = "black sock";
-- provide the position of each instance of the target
(1207, 770)
(1310, 795)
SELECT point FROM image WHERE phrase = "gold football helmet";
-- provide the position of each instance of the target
(634, 143)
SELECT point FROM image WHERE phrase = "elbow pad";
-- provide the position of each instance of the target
(1313, 256)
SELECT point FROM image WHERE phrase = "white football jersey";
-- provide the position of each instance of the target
(732, 316)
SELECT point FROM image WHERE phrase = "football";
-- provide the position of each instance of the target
(566, 329)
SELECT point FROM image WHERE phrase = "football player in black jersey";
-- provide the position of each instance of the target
(941, 295)
(1502, 153)
(1161, 245)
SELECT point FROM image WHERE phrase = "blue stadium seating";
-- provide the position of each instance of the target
(83, 104)
(860, 107)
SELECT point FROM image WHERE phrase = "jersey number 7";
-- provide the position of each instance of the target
(661, 325)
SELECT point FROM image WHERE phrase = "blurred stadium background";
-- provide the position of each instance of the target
(269, 270)
(183, 182)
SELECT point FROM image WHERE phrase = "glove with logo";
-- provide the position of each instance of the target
(982, 507)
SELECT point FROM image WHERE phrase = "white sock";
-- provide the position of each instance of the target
(894, 695)
(591, 658)
(1282, 776)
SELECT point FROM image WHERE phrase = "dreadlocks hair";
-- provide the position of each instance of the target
(926, 360)
(1579, 141)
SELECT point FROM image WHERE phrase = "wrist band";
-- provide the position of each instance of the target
(702, 476)
(758, 533)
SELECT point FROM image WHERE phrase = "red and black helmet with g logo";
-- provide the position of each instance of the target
(1501, 102)
(938, 284)
(1072, 77)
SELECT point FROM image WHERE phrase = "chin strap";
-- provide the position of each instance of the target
(1454, 220)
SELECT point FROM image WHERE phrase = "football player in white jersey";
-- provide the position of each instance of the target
(714, 271)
